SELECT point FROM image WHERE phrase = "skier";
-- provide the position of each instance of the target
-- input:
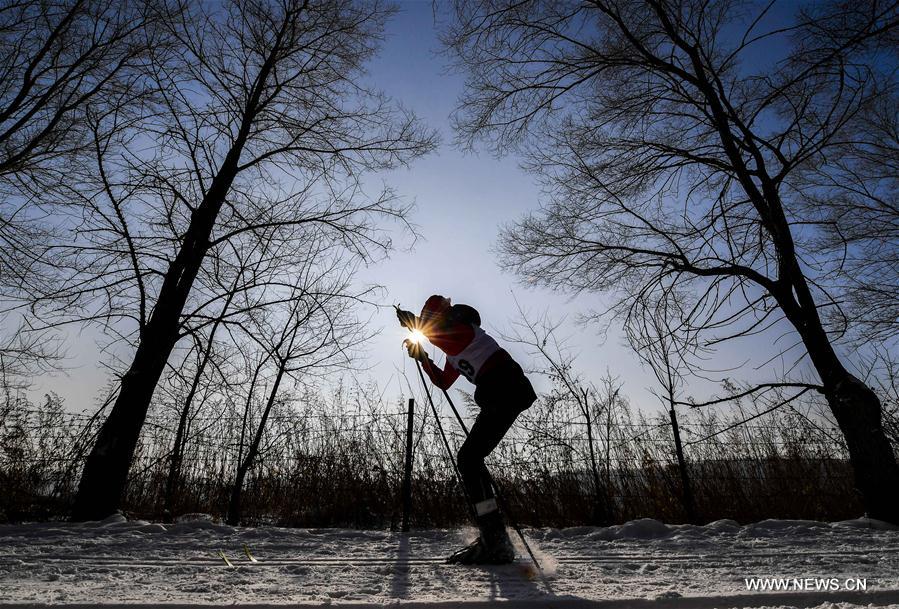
(502, 392)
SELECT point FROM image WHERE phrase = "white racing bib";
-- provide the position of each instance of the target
(470, 360)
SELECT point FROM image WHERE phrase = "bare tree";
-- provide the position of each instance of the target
(316, 332)
(854, 198)
(64, 61)
(263, 123)
(675, 169)
(655, 343)
(541, 337)
(234, 283)
(61, 59)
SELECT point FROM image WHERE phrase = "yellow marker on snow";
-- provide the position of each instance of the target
(225, 558)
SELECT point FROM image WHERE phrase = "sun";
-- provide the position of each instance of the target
(416, 337)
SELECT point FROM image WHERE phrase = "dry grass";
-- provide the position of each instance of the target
(338, 462)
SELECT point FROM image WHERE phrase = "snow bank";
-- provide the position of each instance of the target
(648, 528)
(867, 523)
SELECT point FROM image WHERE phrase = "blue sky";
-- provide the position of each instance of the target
(461, 200)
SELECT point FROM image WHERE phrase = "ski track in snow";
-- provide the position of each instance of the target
(643, 564)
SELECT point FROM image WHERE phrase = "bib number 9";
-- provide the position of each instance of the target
(467, 369)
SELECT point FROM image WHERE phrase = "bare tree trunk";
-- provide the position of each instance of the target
(601, 513)
(858, 412)
(687, 490)
(608, 463)
(855, 406)
(246, 410)
(177, 457)
(234, 504)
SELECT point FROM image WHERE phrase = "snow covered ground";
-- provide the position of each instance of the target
(639, 565)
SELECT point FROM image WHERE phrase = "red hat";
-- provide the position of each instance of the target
(435, 307)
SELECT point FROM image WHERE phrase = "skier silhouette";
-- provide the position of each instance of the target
(502, 392)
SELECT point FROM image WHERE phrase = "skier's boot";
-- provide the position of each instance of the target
(493, 547)
(496, 539)
(469, 555)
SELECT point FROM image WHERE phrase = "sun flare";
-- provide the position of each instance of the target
(415, 336)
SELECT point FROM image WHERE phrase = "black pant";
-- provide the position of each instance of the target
(502, 395)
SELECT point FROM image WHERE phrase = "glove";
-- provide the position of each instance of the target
(406, 318)
(415, 350)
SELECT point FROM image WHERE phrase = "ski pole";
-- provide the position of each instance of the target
(496, 490)
(449, 450)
